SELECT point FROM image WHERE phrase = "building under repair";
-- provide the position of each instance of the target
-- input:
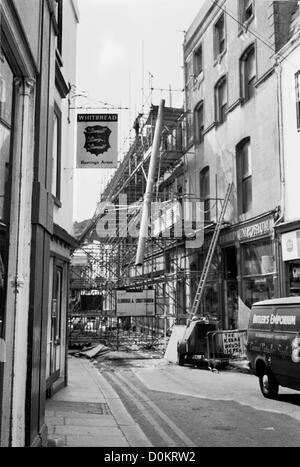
(114, 261)
(195, 210)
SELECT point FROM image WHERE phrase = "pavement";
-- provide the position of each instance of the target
(89, 413)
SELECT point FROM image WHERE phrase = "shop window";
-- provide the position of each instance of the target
(258, 266)
(297, 83)
(244, 176)
(219, 36)
(221, 100)
(248, 73)
(198, 61)
(56, 155)
(205, 192)
(199, 122)
(258, 258)
(294, 278)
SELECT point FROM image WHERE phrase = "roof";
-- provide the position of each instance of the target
(279, 301)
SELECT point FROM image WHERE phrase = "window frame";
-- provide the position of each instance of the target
(204, 176)
(57, 195)
(243, 7)
(198, 52)
(199, 130)
(217, 52)
(7, 115)
(59, 22)
(220, 114)
(243, 177)
(297, 92)
(244, 75)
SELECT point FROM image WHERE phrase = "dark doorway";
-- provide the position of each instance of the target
(230, 288)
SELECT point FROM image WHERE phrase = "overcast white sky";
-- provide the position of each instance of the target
(120, 42)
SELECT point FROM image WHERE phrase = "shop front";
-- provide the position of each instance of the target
(249, 272)
(243, 271)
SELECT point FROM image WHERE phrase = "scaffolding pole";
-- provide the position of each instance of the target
(149, 187)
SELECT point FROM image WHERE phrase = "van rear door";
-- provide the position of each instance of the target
(286, 327)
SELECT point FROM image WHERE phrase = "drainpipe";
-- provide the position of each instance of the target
(280, 142)
(282, 173)
(149, 187)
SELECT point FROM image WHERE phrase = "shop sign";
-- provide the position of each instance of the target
(232, 343)
(248, 232)
(290, 244)
(255, 230)
(97, 141)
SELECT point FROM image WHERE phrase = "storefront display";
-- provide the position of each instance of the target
(290, 250)
(258, 268)
(294, 278)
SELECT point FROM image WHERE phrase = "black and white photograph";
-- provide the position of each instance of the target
(150, 226)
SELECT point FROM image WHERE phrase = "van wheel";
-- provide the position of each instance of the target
(268, 384)
(181, 359)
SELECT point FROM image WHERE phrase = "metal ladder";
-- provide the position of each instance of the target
(209, 256)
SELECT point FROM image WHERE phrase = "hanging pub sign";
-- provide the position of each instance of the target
(97, 141)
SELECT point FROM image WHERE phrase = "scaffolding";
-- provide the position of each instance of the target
(111, 252)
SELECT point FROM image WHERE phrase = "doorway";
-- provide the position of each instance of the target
(230, 288)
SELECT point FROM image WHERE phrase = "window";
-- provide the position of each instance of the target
(246, 10)
(59, 21)
(205, 192)
(6, 105)
(248, 73)
(297, 82)
(6, 94)
(198, 61)
(54, 356)
(244, 176)
(258, 267)
(221, 100)
(188, 69)
(199, 122)
(219, 36)
(56, 154)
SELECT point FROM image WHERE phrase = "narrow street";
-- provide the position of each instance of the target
(188, 406)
